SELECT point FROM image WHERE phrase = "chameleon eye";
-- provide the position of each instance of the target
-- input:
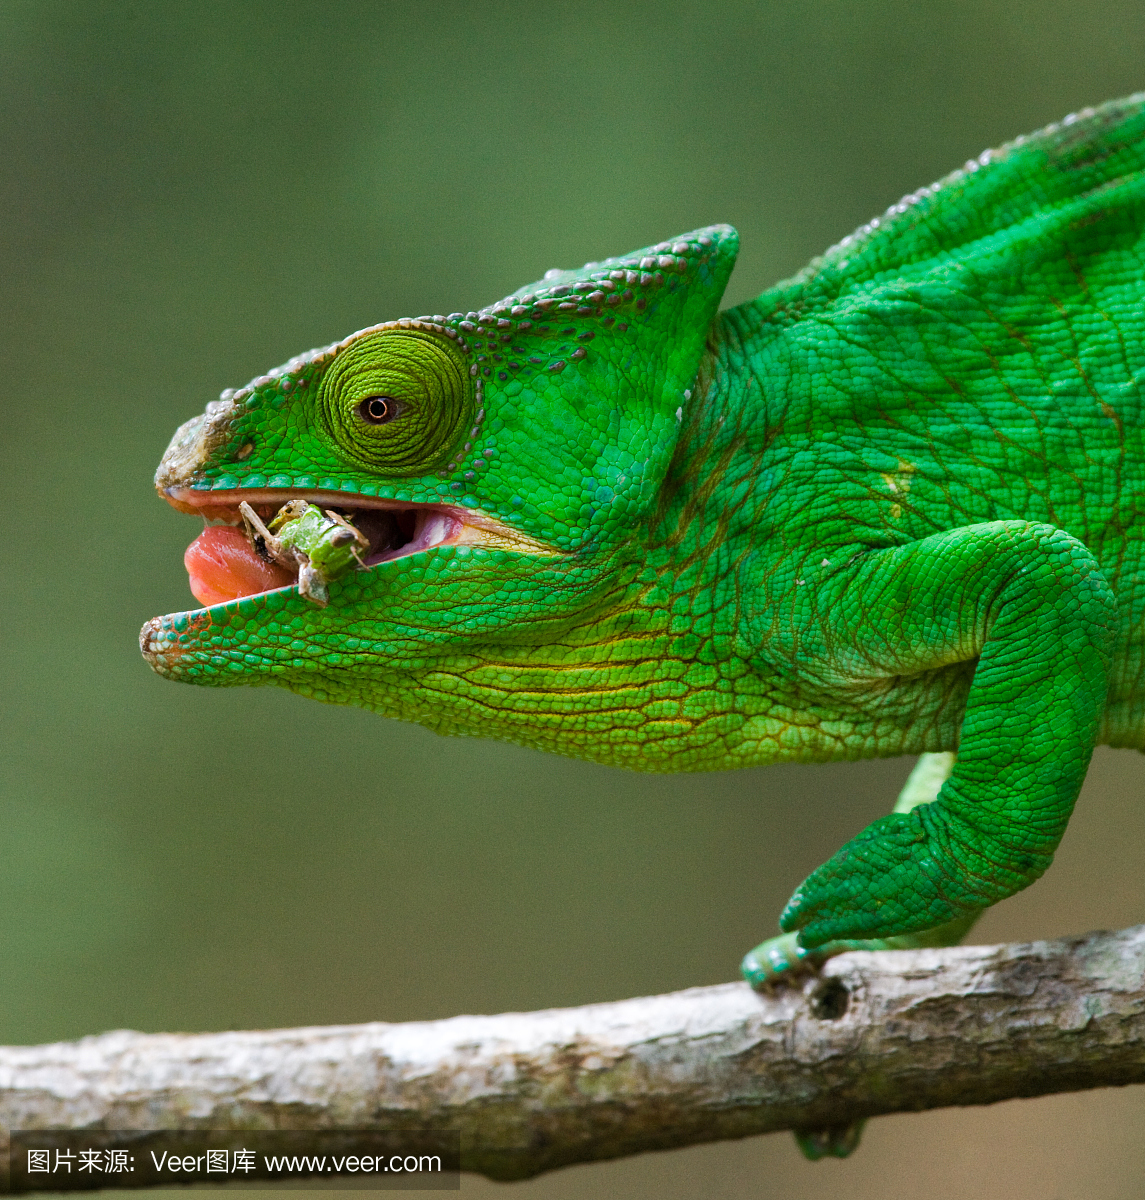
(377, 410)
(414, 374)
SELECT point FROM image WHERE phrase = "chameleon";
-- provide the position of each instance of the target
(893, 505)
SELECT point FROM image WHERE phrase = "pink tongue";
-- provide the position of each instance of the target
(223, 566)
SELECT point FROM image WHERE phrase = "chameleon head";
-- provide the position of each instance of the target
(501, 464)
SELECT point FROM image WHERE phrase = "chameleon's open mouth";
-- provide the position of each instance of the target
(225, 563)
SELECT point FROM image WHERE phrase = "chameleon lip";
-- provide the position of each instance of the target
(421, 526)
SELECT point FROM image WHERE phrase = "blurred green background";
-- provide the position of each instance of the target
(193, 192)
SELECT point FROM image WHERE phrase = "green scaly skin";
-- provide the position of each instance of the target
(888, 507)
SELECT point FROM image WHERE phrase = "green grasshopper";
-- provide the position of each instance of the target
(320, 545)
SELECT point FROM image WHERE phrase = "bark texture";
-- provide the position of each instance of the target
(871, 1034)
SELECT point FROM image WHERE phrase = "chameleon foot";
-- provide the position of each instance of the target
(783, 957)
(836, 1141)
(778, 958)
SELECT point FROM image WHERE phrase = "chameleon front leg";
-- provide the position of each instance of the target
(1022, 615)
(1027, 606)
(781, 957)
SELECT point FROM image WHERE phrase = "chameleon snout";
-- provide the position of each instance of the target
(195, 443)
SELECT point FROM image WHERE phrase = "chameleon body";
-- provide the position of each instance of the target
(891, 506)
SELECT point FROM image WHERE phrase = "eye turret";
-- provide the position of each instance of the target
(396, 401)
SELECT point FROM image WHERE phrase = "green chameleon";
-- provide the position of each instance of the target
(894, 505)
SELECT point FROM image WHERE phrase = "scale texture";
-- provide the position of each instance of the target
(891, 506)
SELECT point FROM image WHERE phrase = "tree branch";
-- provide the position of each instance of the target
(871, 1034)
